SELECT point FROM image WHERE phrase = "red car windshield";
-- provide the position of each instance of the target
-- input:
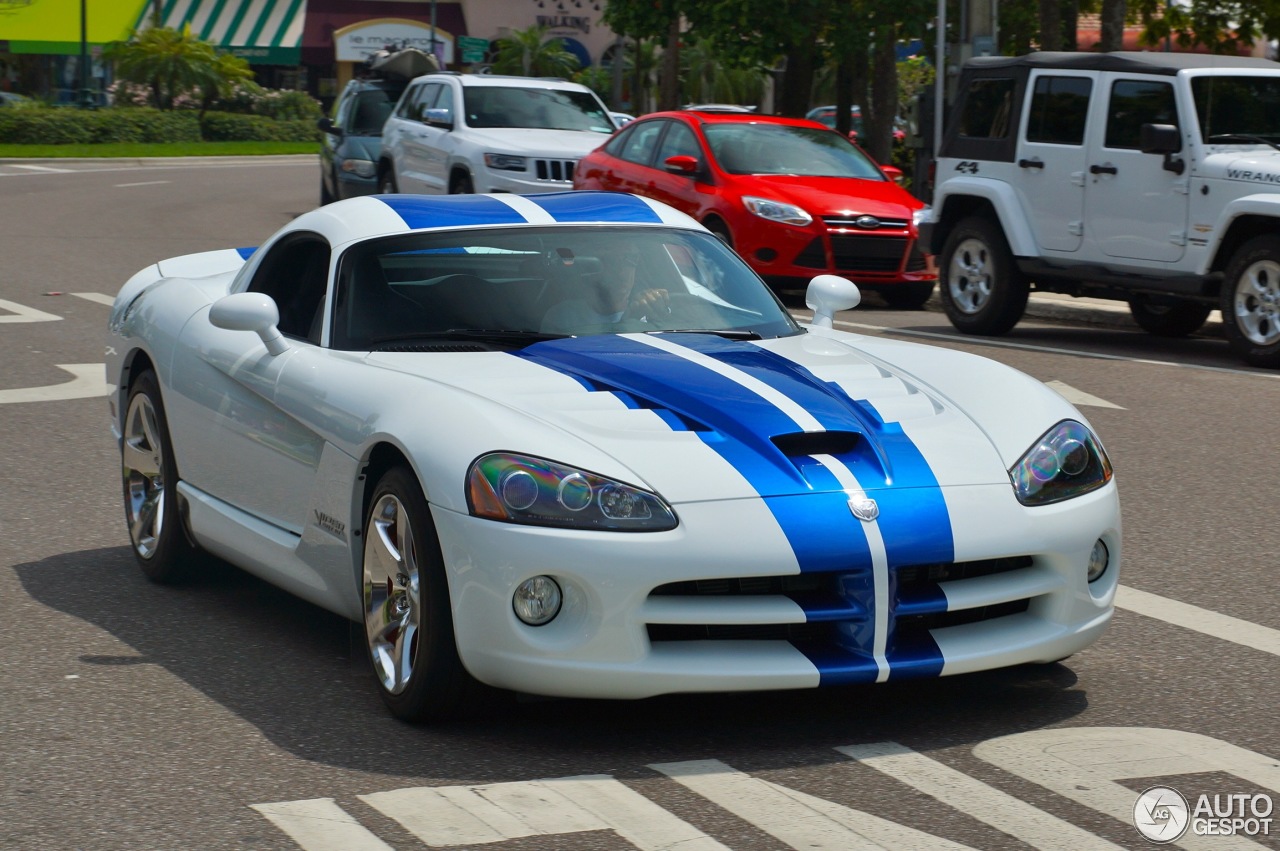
(786, 149)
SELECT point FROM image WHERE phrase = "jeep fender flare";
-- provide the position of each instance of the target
(1240, 220)
(954, 202)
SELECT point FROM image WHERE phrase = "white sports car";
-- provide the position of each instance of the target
(569, 444)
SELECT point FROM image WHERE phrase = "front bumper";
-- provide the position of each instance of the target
(864, 257)
(719, 604)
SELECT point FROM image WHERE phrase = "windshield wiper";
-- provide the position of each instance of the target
(1242, 137)
(727, 333)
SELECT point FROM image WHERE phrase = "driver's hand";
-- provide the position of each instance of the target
(654, 304)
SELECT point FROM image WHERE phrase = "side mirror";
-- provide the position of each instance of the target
(829, 294)
(1162, 139)
(893, 173)
(439, 118)
(254, 312)
(326, 124)
(681, 164)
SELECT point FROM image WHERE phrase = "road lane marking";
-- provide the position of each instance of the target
(969, 795)
(1079, 397)
(472, 815)
(1083, 764)
(321, 825)
(143, 183)
(41, 168)
(794, 818)
(100, 298)
(22, 313)
(1245, 633)
(89, 381)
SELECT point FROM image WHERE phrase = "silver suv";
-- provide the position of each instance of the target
(457, 133)
(1152, 178)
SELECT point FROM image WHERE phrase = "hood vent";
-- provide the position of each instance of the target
(816, 443)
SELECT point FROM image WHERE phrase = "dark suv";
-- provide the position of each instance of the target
(353, 138)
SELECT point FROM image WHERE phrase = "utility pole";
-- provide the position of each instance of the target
(86, 96)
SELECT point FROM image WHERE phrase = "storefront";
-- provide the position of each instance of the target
(41, 45)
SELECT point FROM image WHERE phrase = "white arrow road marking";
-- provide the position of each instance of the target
(42, 168)
(21, 313)
(969, 795)
(1218, 625)
(794, 818)
(143, 183)
(108, 300)
(321, 825)
(89, 381)
(1079, 397)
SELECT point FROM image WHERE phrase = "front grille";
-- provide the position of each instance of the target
(814, 255)
(851, 222)
(915, 260)
(919, 578)
(561, 170)
(801, 632)
(856, 253)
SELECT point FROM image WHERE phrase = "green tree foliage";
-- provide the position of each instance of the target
(1222, 26)
(172, 63)
(529, 53)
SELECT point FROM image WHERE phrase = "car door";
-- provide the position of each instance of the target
(1135, 209)
(1051, 158)
(686, 191)
(436, 141)
(637, 153)
(237, 445)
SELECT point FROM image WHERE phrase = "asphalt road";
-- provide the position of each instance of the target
(229, 715)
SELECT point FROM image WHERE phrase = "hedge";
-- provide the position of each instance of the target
(68, 126)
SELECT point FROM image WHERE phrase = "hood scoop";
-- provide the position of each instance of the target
(805, 443)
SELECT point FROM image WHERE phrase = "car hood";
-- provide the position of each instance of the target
(562, 144)
(1260, 166)
(698, 417)
(825, 196)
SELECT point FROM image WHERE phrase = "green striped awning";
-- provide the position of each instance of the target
(264, 32)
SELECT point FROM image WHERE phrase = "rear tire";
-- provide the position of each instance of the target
(407, 613)
(1168, 318)
(982, 290)
(150, 479)
(1251, 302)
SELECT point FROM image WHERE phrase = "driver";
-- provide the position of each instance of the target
(610, 297)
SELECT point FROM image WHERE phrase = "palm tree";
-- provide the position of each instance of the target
(168, 61)
(524, 52)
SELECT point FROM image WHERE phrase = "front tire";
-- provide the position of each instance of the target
(461, 184)
(150, 478)
(981, 288)
(407, 613)
(387, 183)
(1170, 318)
(720, 229)
(1251, 302)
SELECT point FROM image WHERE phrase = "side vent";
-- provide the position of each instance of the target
(817, 443)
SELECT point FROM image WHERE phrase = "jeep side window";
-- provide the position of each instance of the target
(1059, 107)
(1135, 103)
(405, 108)
(987, 108)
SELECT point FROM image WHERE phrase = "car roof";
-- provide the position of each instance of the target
(505, 80)
(1125, 60)
(713, 117)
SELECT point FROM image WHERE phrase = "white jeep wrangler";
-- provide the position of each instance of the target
(1153, 178)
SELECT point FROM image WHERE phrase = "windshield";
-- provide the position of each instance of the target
(520, 285)
(370, 111)
(542, 109)
(783, 149)
(1238, 106)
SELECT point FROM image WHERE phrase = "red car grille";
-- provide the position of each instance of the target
(856, 253)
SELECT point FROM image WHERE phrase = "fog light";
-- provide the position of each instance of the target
(537, 600)
(1098, 560)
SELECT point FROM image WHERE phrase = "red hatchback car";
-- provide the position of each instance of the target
(793, 198)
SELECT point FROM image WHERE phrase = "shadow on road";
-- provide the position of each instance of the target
(297, 673)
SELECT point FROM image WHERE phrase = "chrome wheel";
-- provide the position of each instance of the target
(142, 459)
(392, 594)
(969, 277)
(1256, 305)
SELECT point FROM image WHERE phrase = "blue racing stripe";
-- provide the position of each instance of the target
(425, 211)
(611, 207)
(246, 253)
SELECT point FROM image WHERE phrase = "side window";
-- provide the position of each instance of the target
(615, 145)
(1135, 103)
(987, 108)
(641, 142)
(405, 108)
(295, 274)
(679, 141)
(1059, 107)
(443, 99)
(342, 108)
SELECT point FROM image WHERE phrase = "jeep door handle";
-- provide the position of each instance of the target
(1102, 169)
(1030, 163)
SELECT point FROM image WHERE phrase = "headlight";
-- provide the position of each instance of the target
(1065, 462)
(924, 214)
(505, 162)
(360, 168)
(776, 211)
(523, 489)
